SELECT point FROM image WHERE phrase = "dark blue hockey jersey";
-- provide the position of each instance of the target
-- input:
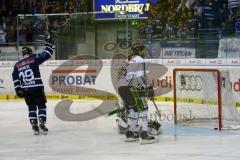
(26, 73)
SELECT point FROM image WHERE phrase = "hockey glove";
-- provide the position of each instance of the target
(19, 92)
(49, 41)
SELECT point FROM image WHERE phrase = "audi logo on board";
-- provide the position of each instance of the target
(189, 82)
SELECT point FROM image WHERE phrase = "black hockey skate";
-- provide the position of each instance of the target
(154, 127)
(35, 129)
(43, 129)
(131, 136)
(145, 138)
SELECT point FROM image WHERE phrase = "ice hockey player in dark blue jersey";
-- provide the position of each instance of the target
(28, 85)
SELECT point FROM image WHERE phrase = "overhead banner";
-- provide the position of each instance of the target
(229, 48)
(120, 9)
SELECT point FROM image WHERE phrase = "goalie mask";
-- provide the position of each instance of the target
(26, 51)
(136, 48)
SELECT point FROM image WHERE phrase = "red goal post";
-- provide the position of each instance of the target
(177, 93)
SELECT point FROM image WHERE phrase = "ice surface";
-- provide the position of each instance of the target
(98, 139)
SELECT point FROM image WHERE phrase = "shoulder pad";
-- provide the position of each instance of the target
(137, 59)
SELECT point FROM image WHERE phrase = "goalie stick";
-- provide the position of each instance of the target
(157, 110)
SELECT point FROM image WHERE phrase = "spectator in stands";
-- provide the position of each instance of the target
(159, 26)
(172, 4)
(170, 29)
(22, 34)
(4, 23)
(222, 20)
(182, 11)
(209, 11)
(198, 11)
(1, 15)
(233, 5)
(189, 3)
(3, 28)
(58, 8)
(164, 14)
(11, 34)
(82, 7)
(181, 29)
(149, 30)
(237, 26)
(191, 24)
(3, 11)
(34, 7)
(2, 36)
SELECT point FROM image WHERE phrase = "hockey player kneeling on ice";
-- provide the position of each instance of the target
(130, 89)
(28, 85)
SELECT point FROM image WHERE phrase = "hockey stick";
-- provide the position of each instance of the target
(157, 110)
(118, 110)
(46, 19)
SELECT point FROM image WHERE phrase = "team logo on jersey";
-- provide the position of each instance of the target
(30, 61)
(189, 82)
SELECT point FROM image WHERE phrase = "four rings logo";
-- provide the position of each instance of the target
(189, 82)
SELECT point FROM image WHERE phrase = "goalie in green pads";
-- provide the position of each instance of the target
(134, 88)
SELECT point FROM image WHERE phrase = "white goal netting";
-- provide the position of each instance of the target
(203, 98)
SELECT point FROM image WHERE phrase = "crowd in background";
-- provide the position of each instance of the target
(9, 9)
(166, 18)
(185, 18)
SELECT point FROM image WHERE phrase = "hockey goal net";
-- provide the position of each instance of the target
(203, 98)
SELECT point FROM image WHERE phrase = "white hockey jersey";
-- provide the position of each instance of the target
(134, 73)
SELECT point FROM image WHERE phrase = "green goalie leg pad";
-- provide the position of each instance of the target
(117, 110)
(138, 101)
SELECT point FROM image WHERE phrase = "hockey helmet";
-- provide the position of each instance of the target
(137, 47)
(26, 50)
